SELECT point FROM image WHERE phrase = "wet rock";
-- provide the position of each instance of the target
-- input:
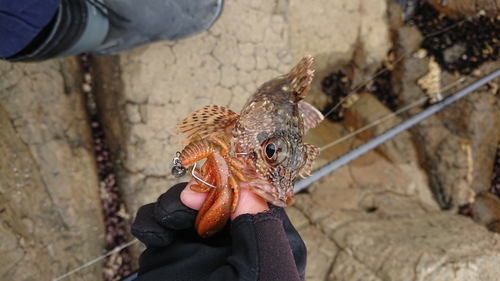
(367, 110)
(349, 268)
(400, 150)
(324, 252)
(476, 119)
(369, 187)
(383, 230)
(459, 143)
(50, 212)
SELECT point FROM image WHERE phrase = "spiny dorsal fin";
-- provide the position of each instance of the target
(310, 114)
(209, 119)
(301, 77)
(312, 153)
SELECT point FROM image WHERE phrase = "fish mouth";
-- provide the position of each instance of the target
(280, 201)
(277, 191)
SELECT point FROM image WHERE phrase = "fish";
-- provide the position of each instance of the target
(267, 135)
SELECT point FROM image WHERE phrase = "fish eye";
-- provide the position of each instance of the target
(274, 150)
(270, 150)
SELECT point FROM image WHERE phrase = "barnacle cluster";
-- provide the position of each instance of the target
(458, 45)
(336, 86)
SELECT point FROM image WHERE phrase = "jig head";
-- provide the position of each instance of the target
(178, 170)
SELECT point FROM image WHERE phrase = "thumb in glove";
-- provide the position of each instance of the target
(156, 223)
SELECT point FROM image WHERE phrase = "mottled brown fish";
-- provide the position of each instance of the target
(262, 146)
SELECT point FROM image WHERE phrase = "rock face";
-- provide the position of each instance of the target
(320, 29)
(374, 219)
(457, 146)
(367, 221)
(476, 118)
(434, 246)
(49, 193)
(399, 150)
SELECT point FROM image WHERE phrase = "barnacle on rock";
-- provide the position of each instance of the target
(431, 82)
(460, 8)
(459, 45)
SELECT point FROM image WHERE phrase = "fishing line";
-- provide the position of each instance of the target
(115, 250)
(389, 116)
(380, 72)
(395, 62)
(375, 123)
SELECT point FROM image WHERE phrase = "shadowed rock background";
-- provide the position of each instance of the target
(378, 218)
(50, 210)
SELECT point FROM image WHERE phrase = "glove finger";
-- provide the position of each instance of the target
(170, 212)
(148, 231)
(299, 249)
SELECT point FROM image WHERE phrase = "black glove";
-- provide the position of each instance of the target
(264, 246)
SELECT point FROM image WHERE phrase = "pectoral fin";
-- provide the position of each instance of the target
(209, 119)
(312, 153)
(311, 115)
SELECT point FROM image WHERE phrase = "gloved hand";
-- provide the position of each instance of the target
(156, 223)
(251, 247)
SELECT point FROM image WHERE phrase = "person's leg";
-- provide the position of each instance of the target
(144, 21)
(21, 21)
(107, 27)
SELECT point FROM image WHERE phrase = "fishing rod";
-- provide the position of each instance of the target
(403, 126)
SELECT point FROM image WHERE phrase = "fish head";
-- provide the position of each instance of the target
(268, 135)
